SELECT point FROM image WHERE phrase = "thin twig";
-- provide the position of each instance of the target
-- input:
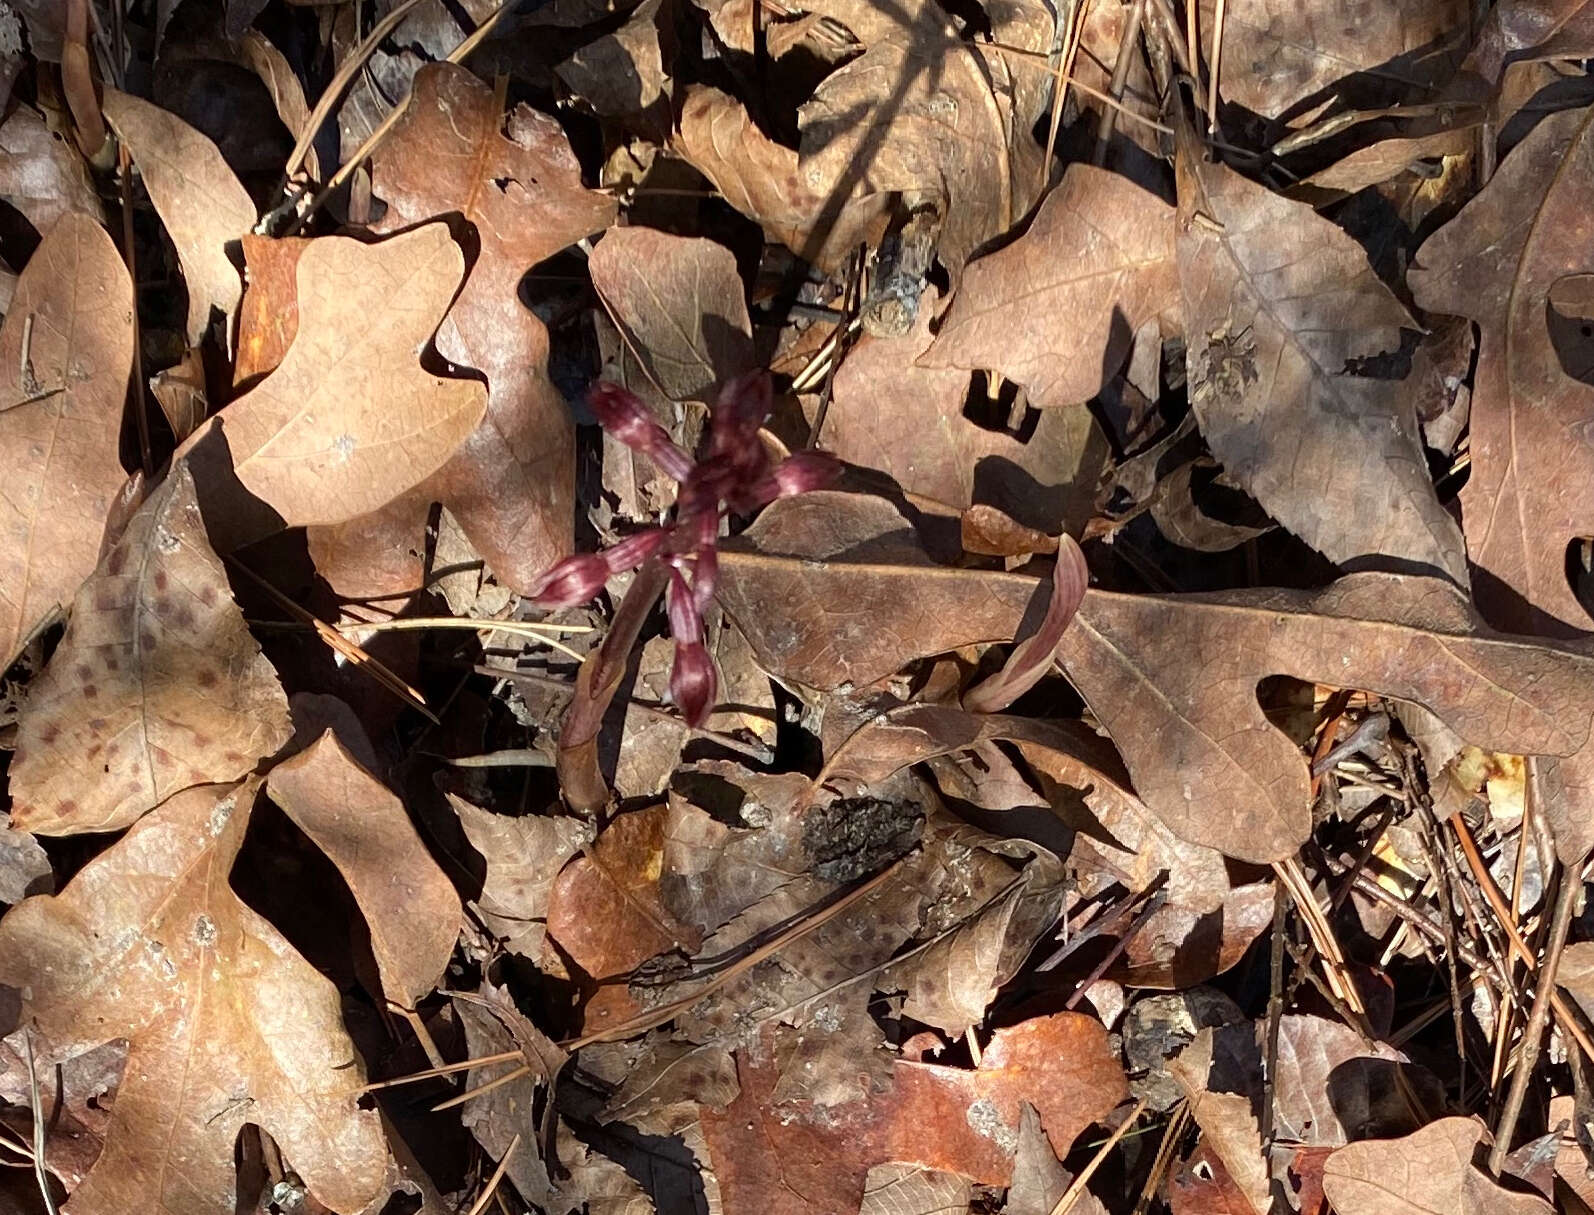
(1533, 1035)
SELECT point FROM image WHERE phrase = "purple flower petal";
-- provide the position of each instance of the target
(694, 684)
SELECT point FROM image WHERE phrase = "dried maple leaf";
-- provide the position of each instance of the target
(351, 816)
(200, 200)
(523, 856)
(1278, 55)
(1497, 263)
(67, 350)
(42, 174)
(1056, 310)
(350, 419)
(830, 589)
(679, 302)
(764, 181)
(898, 408)
(1279, 305)
(156, 686)
(226, 1023)
(511, 485)
(1429, 1172)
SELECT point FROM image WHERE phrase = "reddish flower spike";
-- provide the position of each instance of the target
(694, 684)
(574, 580)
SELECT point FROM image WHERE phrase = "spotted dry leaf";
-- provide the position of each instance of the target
(350, 419)
(156, 686)
(1280, 307)
(60, 417)
(226, 1023)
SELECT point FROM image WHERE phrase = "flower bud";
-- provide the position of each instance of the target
(686, 622)
(574, 580)
(624, 416)
(694, 685)
(635, 550)
(805, 471)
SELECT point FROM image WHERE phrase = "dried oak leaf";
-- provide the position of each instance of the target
(1057, 309)
(1279, 305)
(1276, 55)
(226, 1023)
(892, 410)
(350, 419)
(156, 686)
(60, 417)
(1497, 263)
(523, 856)
(932, 117)
(1524, 31)
(24, 868)
(42, 174)
(1429, 1172)
(410, 906)
(200, 200)
(764, 181)
(517, 182)
(680, 304)
(831, 588)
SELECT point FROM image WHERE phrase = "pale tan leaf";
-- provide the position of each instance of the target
(1429, 1172)
(680, 304)
(156, 686)
(350, 419)
(1056, 310)
(524, 855)
(60, 418)
(226, 1023)
(42, 174)
(410, 906)
(200, 200)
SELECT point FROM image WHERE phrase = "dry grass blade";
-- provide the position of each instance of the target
(39, 1172)
(1071, 1195)
(491, 1188)
(444, 1070)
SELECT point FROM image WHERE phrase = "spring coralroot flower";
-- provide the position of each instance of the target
(733, 476)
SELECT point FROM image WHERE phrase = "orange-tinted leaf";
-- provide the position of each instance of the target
(202, 203)
(350, 419)
(227, 1024)
(411, 908)
(605, 910)
(60, 416)
(156, 686)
